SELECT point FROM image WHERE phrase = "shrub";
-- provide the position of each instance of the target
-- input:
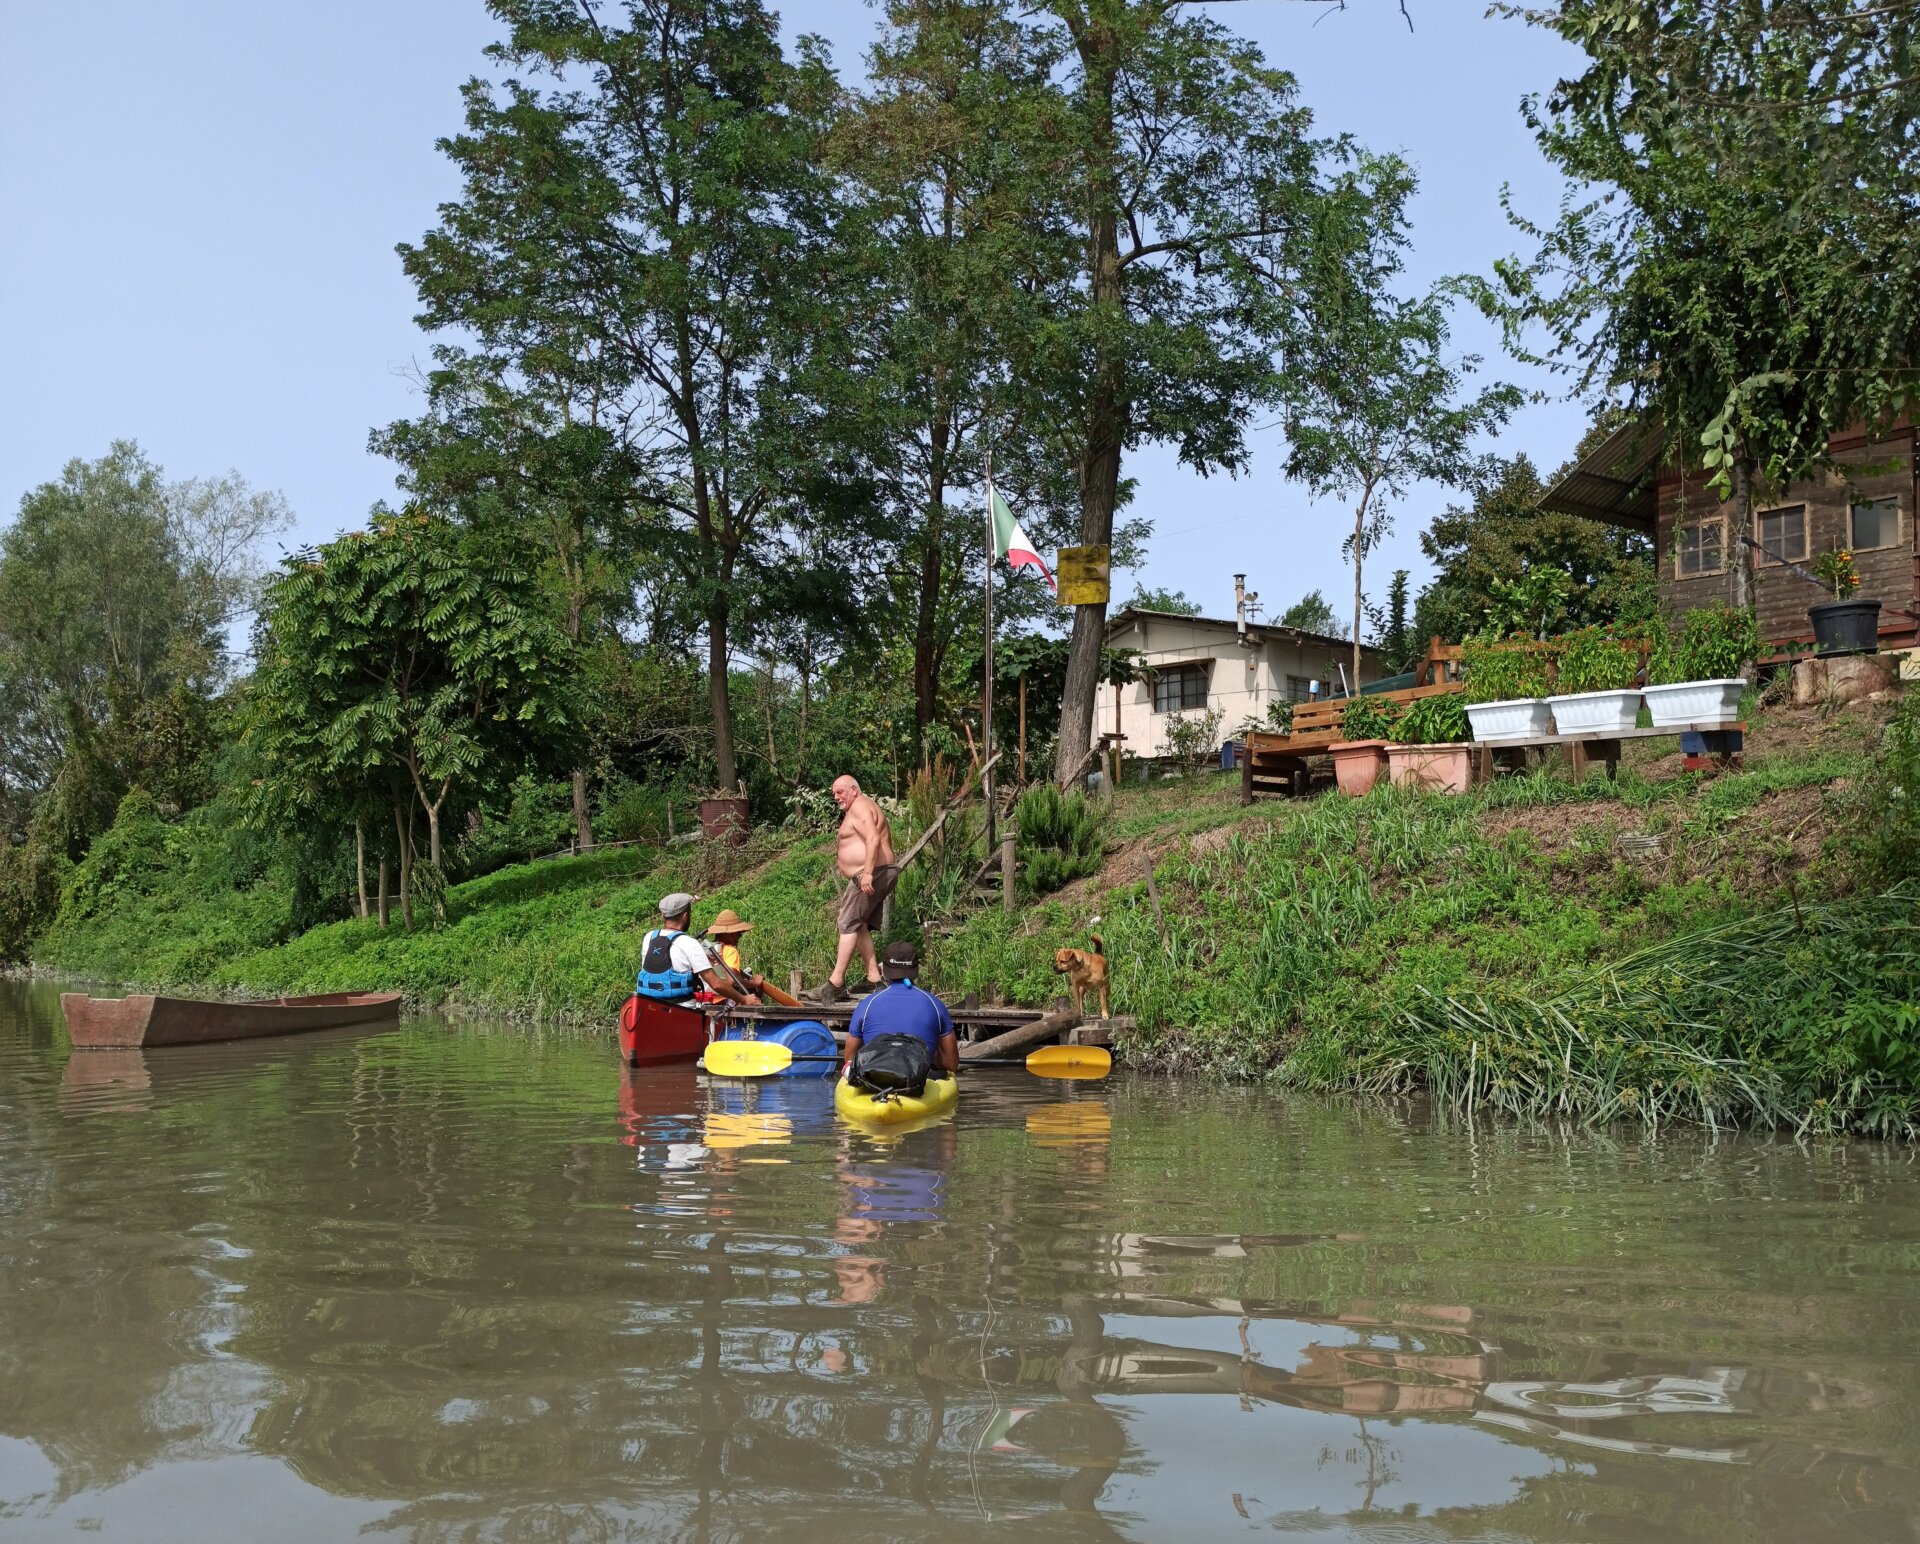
(1836, 571)
(1890, 799)
(1432, 721)
(1714, 643)
(1593, 660)
(1061, 837)
(1369, 718)
(1503, 672)
(1192, 739)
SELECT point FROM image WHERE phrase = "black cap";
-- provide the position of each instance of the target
(901, 962)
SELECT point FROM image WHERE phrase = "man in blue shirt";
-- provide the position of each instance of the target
(901, 1008)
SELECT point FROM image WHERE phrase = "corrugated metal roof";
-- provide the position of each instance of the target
(1272, 629)
(1617, 481)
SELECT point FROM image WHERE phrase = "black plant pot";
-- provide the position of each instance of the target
(1846, 627)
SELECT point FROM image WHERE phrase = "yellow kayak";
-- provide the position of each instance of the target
(895, 1109)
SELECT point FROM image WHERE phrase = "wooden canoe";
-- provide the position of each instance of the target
(116, 1023)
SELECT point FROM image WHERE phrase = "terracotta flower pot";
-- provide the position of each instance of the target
(1358, 764)
(1445, 768)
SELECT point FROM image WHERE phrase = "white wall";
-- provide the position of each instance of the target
(1241, 682)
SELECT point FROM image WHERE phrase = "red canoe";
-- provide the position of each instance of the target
(115, 1023)
(653, 1033)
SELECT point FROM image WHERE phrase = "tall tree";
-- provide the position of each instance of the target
(1736, 257)
(959, 241)
(1376, 402)
(1311, 614)
(1190, 176)
(656, 208)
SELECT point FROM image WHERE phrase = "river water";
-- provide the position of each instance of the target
(458, 1282)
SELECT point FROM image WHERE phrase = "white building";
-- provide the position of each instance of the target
(1195, 663)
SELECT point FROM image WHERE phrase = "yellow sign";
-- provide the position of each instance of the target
(1085, 575)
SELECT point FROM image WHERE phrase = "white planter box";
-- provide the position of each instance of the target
(1596, 712)
(1696, 702)
(1518, 718)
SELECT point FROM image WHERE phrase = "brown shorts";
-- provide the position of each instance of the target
(859, 910)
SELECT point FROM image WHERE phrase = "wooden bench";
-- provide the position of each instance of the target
(1276, 764)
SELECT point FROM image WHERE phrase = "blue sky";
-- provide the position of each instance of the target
(202, 197)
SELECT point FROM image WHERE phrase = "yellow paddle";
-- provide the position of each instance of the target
(763, 1058)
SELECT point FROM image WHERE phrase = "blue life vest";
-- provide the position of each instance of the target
(658, 979)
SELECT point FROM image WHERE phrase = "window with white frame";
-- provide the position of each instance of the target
(1179, 687)
(1876, 523)
(1699, 549)
(1783, 532)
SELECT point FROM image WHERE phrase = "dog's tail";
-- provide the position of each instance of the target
(1099, 948)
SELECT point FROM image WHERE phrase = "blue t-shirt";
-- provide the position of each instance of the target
(901, 1009)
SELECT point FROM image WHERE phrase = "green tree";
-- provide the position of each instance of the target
(1174, 602)
(1186, 169)
(1397, 640)
(398, 666)
(1504, 535)
(1736, 258)
(1377, 403)
(643, 211)
(1311, 614)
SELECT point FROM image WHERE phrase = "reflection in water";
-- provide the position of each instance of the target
(450, 1283)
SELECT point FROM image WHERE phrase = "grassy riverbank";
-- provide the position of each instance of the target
(1740, 956)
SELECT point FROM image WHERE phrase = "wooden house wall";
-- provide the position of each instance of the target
(1887, 574)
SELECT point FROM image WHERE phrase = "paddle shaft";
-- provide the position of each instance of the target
(1010, 1061)
(765, 988)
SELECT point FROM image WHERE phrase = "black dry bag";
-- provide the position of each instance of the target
(892, 1064)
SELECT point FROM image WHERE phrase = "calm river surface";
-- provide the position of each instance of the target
(457, 1283)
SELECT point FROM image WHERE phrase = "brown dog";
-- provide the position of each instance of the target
(1086, 971)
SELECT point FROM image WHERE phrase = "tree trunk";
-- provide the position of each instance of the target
(433, 834)
(926, 651)
(406, 865)
(1107, 405)
(1740, 558)
(719, 700)
(582, 814)
(383, 892)
(360, 863)
(1359, 595)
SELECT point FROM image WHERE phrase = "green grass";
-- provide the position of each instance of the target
(1497, 950)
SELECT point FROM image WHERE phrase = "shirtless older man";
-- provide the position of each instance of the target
(865, 857)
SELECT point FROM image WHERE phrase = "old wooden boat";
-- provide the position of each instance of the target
(116, 1023)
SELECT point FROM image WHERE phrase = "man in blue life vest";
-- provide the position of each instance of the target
(674, 964)
(900, 1030)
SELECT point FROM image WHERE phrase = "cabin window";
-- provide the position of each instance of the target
(1300, 688)
(1179, 687)
(1876, 523)
(1697, 549)
(1783, 532)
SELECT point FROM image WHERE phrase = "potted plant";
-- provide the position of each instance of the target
(1430, 747)
(1506, 689)
(1360, 759)
(1597, 693)
(1845, 624)
(1695, 676)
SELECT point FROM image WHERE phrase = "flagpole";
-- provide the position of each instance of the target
(986, 696)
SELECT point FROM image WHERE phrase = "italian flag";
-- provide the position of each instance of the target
(1011, 543)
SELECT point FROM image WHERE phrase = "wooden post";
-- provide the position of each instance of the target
(1048, 1027)
(1006, 869)
(794, 983)
(360, 862)
(1023, 726)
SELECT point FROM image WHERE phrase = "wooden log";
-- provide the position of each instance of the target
(1042, 1030)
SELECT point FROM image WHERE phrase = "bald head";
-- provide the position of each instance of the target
(845, 791)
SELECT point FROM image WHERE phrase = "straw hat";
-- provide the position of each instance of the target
(728, 922)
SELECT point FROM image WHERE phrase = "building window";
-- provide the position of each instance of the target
(1876, 523)
(1697, 549)
(1783, 532)
(1179, 687)
(1300, 688)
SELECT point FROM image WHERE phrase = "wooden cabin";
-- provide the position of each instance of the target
(1867, 503)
